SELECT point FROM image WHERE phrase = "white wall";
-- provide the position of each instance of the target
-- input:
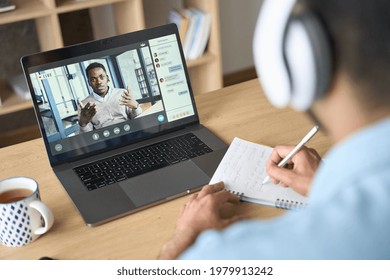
(237, 23)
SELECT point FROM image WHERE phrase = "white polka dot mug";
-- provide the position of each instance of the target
(23, 216)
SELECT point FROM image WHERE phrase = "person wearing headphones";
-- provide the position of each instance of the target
(330, 59)
(105, 106)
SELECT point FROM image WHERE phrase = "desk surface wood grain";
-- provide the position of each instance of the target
(240, 110)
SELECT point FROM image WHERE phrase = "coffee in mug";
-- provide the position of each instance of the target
(23, 216)
(14, 195)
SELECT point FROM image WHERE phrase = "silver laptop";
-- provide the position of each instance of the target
(113, 163)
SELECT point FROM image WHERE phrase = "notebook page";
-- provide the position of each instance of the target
(242, 169)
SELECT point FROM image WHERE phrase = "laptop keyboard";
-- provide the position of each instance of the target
(130, 164)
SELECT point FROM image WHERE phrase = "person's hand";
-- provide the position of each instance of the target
(128, 100)
(299, 171)
(86, 113)
(211, 208)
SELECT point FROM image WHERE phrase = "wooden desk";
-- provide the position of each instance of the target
(239, 110)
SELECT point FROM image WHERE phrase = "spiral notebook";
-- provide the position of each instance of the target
(242, 169)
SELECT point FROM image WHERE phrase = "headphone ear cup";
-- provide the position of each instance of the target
(309, 60)
(268, 48)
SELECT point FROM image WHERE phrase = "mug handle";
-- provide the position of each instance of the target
(46, 214)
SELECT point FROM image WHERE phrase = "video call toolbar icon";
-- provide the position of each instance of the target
(106, 133)
(117, 130)
(126, 127)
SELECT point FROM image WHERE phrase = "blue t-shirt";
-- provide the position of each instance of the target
(348, 215)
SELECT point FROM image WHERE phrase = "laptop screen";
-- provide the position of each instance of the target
(107, 93)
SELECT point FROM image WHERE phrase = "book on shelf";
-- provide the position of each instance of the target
(194, 27)
(242, 170)
(6, 5)
(181, 20)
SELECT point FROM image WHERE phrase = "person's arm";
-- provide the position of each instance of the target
(177, 244)
(211, 208)
(299, 172)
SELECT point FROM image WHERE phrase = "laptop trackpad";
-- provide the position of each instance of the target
(164, 183)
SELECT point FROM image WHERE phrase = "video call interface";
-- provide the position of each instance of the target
(152, 71)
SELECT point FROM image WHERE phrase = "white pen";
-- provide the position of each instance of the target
(305, 139)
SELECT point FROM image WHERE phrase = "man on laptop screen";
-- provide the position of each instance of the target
(114, 105)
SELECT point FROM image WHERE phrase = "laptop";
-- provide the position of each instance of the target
(115, 168)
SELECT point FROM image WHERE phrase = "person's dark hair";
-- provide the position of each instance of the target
(94, 65)
(360, 37)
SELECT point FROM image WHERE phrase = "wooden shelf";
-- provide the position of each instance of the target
(206, 58)
(66, 6)
(10, 102)
(129, 15)
(25, 10)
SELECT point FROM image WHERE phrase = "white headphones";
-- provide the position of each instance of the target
(292, 55)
